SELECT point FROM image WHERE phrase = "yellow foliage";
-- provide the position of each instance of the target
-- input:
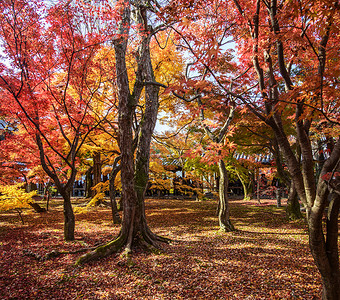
(14, 197)
(100, 189)
(80, 210)
(167, 61)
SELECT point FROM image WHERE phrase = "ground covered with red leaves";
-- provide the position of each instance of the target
(266, 258)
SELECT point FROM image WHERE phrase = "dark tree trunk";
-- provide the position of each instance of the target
(20, 215)
(258, 196)
(223, 206)
(88, 183)
(293, 211)
(64, 189)
(325, 252)
(332, 246)
(47, 194)
(97, 168)
(112, 189)
(69, 219)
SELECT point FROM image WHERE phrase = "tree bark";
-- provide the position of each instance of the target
(88, 182)
(293, 211)
(332, 246)
(325, 252)
(112, 190)
(69, 219)
(47, 194)
(96, 171)
(224, 210)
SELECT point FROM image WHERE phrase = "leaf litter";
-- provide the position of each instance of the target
(266, 258)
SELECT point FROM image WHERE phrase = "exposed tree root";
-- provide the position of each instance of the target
(227, 227)
(53, 253)
(124, 244)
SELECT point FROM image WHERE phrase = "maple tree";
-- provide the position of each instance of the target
(310, 101)
(288, 68)
(47, 87)
(284, 70)
(15, 197)
(292, 61)
(214, 108)
(134, 167)
(256, 137)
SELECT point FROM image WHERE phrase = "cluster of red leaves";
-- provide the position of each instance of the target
(267, 258)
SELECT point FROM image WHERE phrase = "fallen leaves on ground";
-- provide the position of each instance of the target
(266, 258)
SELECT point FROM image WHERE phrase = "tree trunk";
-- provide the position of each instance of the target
(63, 189)
(246, 186)
(69, 219)
(278, 193)
(293, 211)
(47, 194)
(114, 209)
(224, 210)
(96, 172)
(88, 182)
(258, 196)
(332, 247)
(20, 215)
(325, 252)
(112, 189)
(134, 231)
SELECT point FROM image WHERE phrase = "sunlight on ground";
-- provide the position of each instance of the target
(265, 258)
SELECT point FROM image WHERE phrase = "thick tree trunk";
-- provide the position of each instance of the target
(293, 211)
(134, 231)
(325, 252)
(332, 247)
(224, 210)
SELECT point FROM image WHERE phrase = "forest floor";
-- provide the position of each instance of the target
(266, 258)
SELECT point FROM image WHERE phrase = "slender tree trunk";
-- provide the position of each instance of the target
(278, 195)
(115, 215)
(20, 215)
(88, 182)
(114, 209)
(245, 186)
(47, 194)
(258, 196)
(96, 172)
(224, 210)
